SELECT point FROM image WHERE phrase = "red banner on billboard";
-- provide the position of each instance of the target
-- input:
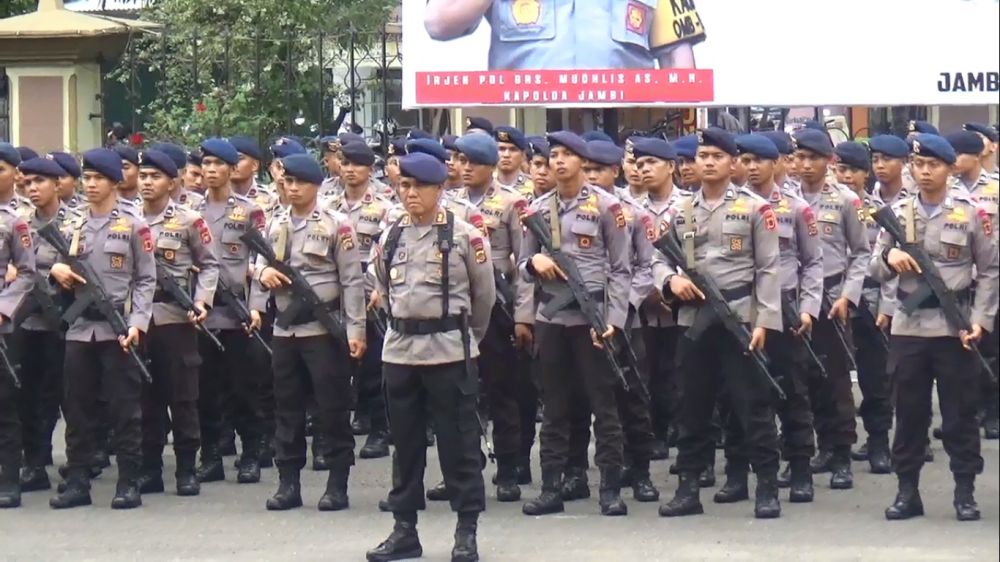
(565, 87)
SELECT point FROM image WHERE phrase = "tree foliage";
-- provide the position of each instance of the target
(10, 8)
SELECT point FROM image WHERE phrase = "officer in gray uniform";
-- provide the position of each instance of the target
(687, 165)
(845, 252)
(784, 164)
(9, 198)
(512, 146)
(926, 349)
(182, 244)
(590, 226)
(128, 189)
(729, 234)
(330, 157)
(321, 244)
(115, 240)
(68, 181)
(180, 194)
(435, 275)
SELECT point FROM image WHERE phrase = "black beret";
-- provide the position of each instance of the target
(42, 166)
(478, 123)
(814, 141)
(854, 154)
(934, 146)
(983, 129)
(68, 163)
(758, 145)
(247, 146)
(104, 161)
(174, 151)
(302, 167)
(511, 135)
(569, 140)
(345, 138)
(194, 157)
(358, 153)
(159, 160)
(128, 153)
(966, 142)
(889, 145)
(719, 138)
(424, 168)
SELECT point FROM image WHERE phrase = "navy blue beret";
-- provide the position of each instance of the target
(889, 145)
(127, 153)
(194, 157)
(687, 147)
(478, 123)
(539, 147)
(814, 125)
(159, 160)
(758, 145)
(26, 152)
(966, 142)
(345, 138)
(357, 153)
(174, 151)
(415, 134)
(719, 138)
(42, 166)
(247, 147)
(104, 161)
(854, 154)
(448, 142)
(478, 148)
(511, 135)
(67, 162)
(9, 154)
(423, 168)
(286, 146)
(814, 141)
(397, 146)
(934, 146)
(221, 149)
(605, 153)
(923, 127)
(657, 148)
(569, 140)
(597, 135)
(302, 167)
(427, 146)
(983, 129)
(329, 143)
(782, 141)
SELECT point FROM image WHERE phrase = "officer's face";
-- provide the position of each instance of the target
(7, 173)
(600, 175)
(354, 175)
(392, 170)
(632, 175)
(130, 176)
(418, 198)
(566, 163)
(930, 173)
(966, 163)
(690, 174)
(332, 162)
(66, 186)
(760, 171)
(887, 169)
(299, 192)
(714, 164)
(97, 188)
(654, 172)
(811, 166)
(474, 175)
(42, 190)
(541, 176)
(192, 177)
(215, 172)
(454, 170)
(989, 147)
(851, 176)
(154, 185)
(739, 171)
(511, 157)
(791, 166)
(245, 169)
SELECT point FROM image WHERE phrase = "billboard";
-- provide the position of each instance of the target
(603, 53)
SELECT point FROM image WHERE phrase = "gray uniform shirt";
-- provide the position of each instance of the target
(658, 312)
(846, 250)
(16, 248)
(45, 257)
(800, 248)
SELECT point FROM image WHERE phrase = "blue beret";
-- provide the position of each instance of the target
(159, 160)
(104, 161)
(345, 138)
(478, 123)
(758, 145)
(9, 154)
(934, 146)
(194, 157)
(657, 148)
(302, 167)
(687, 147)
(247, 146)
(854, 154)
(782, 141)
(814, 141)
(983, 129)
(923, 127)
(424, 168)
(126, 152)
(415, 134)
(719, 138)
(539, 146)
(427, 146)
(174, 151)
(889, 145)
(221, 149)
(569, 140)
(512, 135)
(397, 146)
(329, 143)
(26, 153)
(478, 148)
(605, 153)
(814, 125)
(448, 142)
(67, 162)
(42, 166)
(358, 153)
(966, 142)
(597, 135)
(286, 146)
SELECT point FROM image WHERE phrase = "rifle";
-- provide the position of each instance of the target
(231, 299)
(585, 300)
(841, 331)
(472, 376)
(92, 294)
(868, 317)
(304, 298)
(716, 304)
(793, 322)
(933, 285)
(170, 285)
(378, 318)
(7, 365)
(505, 297)
(43, 302)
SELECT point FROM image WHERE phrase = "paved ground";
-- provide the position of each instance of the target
(229, 522)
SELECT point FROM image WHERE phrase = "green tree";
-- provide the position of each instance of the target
(10, 8)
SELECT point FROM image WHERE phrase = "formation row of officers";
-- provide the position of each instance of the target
(429, 293)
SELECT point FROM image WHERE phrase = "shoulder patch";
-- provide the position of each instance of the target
(147, 239)
(23, 234)
(478, 249)
(619, 214)
(986, 221)
(203, 231)
(346, 237)
(647, 224)
(810, 217)
(258, 219)
(770, 222)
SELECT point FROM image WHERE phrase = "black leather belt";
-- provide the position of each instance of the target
(423, 327)
(735, 294)
(306, 316)
(93, 314)
(964, 296)
(163, 296)
(871, 283)
(832, 281)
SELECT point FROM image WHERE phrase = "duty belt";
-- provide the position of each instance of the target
(423, 327)
(91, 313)
(737, 293)
(963, 296)
(309, 315)
(871, 283)
(832, 281)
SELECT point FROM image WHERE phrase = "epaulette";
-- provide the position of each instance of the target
(747, 192)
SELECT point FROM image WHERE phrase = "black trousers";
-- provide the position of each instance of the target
(497, 369)
(527, 399)
(315, 362)
(989, 346)
(172, 350)
(705, 366)
(873, 378)
(570, 361)
(10, 422)
(368, 381)
(832, 398)
(40, 355)
(94, 369)
(915, 364)
(232, 373)
(414, 392)
(661, 345)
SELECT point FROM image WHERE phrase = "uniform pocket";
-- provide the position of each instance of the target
(317, 248)
(736, 237)
(232, 246)
(397, 268)
(585, 232)
(117, 252)
(953, 243)
(524, 20)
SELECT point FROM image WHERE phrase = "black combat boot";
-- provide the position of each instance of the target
(211, 469)
(707, 477)
(785, 476)
(524, 470)
(736, 488)
(575, 486)
(10, 485)
(686, 500)
(766, 504)
(611, 500)
(150, 481)
(991, 414)
(822, 462)
(465, 549)
(335, 497)
(289, 494)
(879, 459)
(127, 495)
(362, 423)
(187, 480)
(801, 484)
(401, 544)
(660, 450)
(249, 469)
(841, 478)
(76, 492)
(908, 503)
(320, 462)
(227, 440)
(643, 489)
(35, 478)
(965, 504)
(266, 458)
(506, 480)
(376, 445)
(862, 453)
(438, 493)
(550, 500)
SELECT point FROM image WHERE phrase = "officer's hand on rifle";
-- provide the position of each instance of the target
(273, 279)
(523, 338)
(11, 274)
(202, 313)
(840, 309)
(901, 262)
(608, 334)
(970, 339)
(131, 339)
(254, 322)
(375, 300)
(684, 289)
(883, 321)
(65, 276)
(807, 325)
(546, 268)
(357, 348)
(757, 339)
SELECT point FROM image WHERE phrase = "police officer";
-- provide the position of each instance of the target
(785, 163)
(604, 165)
(926, 348)
(478, 125)
(191, 178)
(590, 226)
(244, 176)
(990, 138)
(179, 194)
(396, 148)
(128, 189)
(436, 277)
(513, 148)
(15, 249)
(9, 196)
(686, 148)
(845, 252)
(67, 188)
(115, 240)
(730, 234)
(541, 174)
(330, 157)
(454, 181)
(182, 243)
(228, 216)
